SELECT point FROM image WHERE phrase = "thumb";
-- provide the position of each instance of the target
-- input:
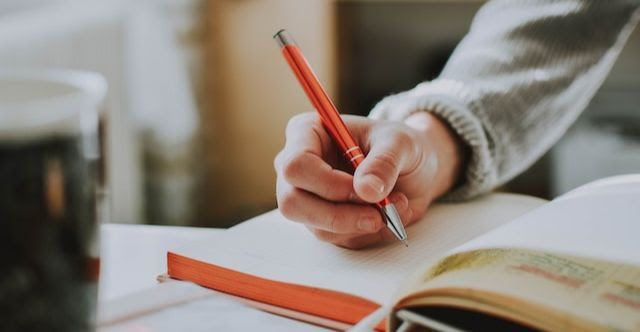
(376, 176)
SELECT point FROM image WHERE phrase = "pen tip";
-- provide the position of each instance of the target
(406, 243)
(394, 223)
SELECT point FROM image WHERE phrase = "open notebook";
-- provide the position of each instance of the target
(276, 262)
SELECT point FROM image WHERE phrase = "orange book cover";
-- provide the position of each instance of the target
(334, 309)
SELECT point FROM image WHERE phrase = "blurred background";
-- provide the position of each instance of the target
(199, 95)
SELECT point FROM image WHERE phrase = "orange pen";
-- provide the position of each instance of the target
(332, 122)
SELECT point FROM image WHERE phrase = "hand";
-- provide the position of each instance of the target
(414, 162)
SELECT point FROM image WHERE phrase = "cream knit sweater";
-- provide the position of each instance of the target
(517, 81)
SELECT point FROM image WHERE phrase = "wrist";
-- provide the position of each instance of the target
(450, 152)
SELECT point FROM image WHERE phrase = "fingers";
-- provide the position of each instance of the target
(304, 134)
(303, 161)
(309, 172)
(342, 218)
(358, 241)
(391, 153)
(349, 241)
(313, 191)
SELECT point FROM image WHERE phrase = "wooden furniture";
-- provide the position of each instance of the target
(250, 94)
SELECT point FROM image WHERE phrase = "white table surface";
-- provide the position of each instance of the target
(132, 256)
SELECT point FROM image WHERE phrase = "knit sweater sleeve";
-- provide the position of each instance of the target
(516, 82)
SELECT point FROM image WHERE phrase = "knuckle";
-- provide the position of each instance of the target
(293, 166)
(332, 190)
(277, 161)
(402, 138)
(353, 197)
(302, 119)
(335, 221)
(387, 161)
(287, 203)
(326, 192)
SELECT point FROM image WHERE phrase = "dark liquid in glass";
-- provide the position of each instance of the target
(48, 279)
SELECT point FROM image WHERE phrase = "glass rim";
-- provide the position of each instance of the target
(82, 92)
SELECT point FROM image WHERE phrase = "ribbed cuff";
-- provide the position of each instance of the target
(452, 102)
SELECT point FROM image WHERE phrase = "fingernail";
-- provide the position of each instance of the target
(367, 224)
(374, 183)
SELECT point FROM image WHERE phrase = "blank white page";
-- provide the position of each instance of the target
(599, 220)
(272, 247)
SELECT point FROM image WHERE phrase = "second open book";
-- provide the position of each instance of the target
(501, 259)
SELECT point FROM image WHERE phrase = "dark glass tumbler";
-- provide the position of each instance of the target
(51, 179)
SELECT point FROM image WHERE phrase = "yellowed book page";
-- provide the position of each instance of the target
(272, 247)
(557, 291)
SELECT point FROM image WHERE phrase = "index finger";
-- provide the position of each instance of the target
(305, 133)
(304, 162)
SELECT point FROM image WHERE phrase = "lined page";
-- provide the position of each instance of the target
(272, 247)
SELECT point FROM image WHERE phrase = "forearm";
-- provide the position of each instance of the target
(516, 82)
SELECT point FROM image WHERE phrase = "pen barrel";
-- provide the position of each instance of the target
(383, 203)
(331, 120)
(354, 155)
(333, 124)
